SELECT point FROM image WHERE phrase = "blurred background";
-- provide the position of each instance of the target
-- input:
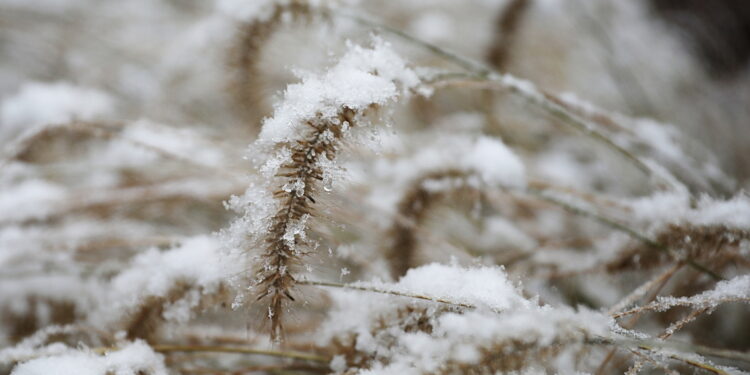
(681, 62)
(125, 125)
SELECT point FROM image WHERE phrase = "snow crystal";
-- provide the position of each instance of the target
(272, 165)
(257, 206)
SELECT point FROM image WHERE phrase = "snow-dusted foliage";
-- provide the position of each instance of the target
(132, 358)
(370, 187)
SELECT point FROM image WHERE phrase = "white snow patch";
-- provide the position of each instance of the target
(364, 76)
(482, 286)
(675, 207)
(39, 103)
(197, 262)
(130, 359)
(30, 199)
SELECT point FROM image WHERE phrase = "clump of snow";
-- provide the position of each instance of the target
(363, 77)
(34, 345)
(487, 158)
(507, 320)
(30, 199)
(661, 206)
(256, 206)
(197, 262)
(19, 243)
(734, 212)
(677, 208)
(481, 286)
(44, 103)
(464, 337)
(131, 359)
(485, 162)
(494, 162)
(487, 288)
(17, 291)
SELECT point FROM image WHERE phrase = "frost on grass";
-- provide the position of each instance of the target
(678, 208)
(303, 138)
(104, 222)
(401, 334)
(735, 289)
(362, 78)
(489, 160)
(479, 162)
(526, 339)
(30, 199)
(483, 286)
(449, 168)
(177, 278)
(180, 143)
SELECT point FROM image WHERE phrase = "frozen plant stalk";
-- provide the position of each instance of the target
(303, 137)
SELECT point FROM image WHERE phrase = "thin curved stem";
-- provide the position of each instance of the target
(226, 349)
(540, 194)
(384, 291)
(481, 72)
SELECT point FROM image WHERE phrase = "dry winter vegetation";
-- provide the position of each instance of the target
(430, 187)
